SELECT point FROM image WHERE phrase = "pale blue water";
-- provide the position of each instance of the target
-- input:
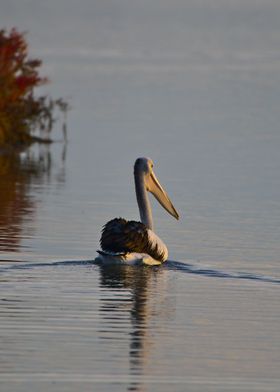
(195, 86)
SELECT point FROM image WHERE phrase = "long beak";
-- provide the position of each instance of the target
(156, 189)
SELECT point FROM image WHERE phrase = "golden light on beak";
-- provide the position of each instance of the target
(159, 193)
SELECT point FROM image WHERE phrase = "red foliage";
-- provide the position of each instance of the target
(18, 77)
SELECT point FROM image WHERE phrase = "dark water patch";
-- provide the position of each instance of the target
(208, 272)
(25, 266)
(112, 274)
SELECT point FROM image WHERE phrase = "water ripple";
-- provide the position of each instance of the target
(192, 269)
(171, 265)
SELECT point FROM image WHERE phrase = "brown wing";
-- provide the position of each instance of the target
(120, 235)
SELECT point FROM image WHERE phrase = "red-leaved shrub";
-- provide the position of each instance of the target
(21, 112)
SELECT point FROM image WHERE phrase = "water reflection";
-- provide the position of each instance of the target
(18, 172)
(133, 290)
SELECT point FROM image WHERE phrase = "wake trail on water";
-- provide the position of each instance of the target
(170, 265)
(209, 272)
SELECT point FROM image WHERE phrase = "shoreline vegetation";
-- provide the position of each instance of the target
(25, 118)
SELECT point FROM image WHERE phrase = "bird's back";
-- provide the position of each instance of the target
(122, 236)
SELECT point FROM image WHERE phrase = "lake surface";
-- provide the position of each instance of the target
(195, 86)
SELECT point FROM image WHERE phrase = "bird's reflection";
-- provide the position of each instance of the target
(131, 289)
(19, 171)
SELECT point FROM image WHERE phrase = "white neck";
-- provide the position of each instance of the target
(143, 200)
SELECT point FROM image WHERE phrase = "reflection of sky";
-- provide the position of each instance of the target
(175, 65)
(216, 32)
(194, 85)
(205, 56)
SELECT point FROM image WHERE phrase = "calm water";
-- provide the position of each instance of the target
(196, 87)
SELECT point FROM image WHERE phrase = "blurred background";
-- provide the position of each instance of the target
(192, 84)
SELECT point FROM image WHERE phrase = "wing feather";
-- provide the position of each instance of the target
(120, 235)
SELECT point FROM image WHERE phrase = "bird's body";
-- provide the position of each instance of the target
(133, 242)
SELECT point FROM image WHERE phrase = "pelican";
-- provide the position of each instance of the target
(135, 242)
